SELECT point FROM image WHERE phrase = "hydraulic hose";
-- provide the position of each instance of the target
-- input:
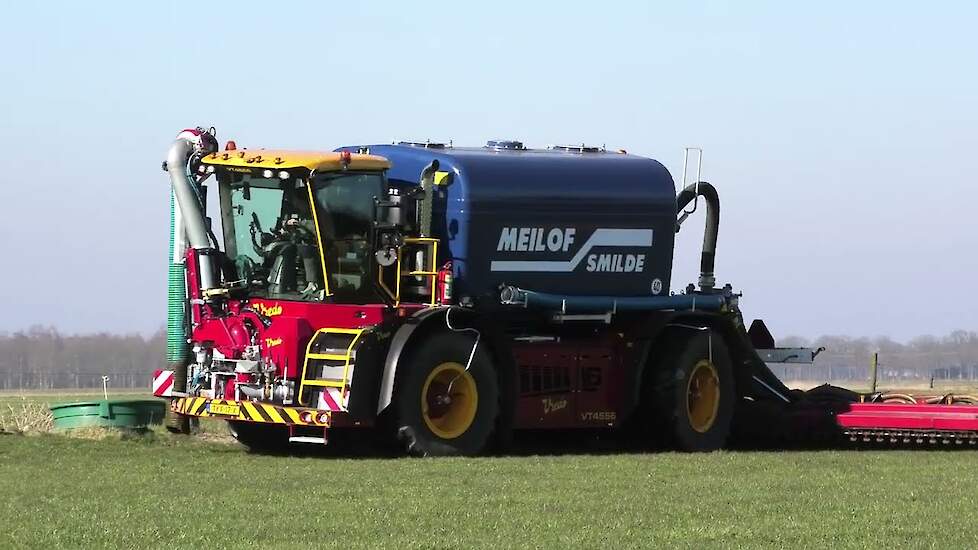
(708, 256)
(176, 314)
(177, 350)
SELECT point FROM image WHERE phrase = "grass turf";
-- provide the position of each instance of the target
(164, 490)
(173, 491)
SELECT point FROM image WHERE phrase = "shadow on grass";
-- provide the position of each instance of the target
(363, 445)
(366, 444)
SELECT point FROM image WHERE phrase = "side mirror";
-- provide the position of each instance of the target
(397, 211)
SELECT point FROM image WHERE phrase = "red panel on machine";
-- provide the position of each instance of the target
(900, 416)
(546, 388)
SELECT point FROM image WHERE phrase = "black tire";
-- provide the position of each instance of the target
(672, 401)
(177, 423)
(414, 432)
(259, 437)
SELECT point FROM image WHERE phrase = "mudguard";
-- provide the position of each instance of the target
(426, 321)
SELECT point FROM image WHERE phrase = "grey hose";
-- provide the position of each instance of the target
(191, 143)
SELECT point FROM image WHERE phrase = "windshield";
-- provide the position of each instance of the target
(270, 237)
(345, 210)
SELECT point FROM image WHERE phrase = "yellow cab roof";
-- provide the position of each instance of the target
(284, 160)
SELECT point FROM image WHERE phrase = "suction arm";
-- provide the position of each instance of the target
(709, 194)
(190, 146)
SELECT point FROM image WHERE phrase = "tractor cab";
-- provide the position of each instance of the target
(302, 226)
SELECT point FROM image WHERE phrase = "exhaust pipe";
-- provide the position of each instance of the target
(427, 183)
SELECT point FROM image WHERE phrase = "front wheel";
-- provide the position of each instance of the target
(443, 408)
(259, 437)
(692, 396)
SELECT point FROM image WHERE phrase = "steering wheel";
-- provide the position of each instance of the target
(291, 232)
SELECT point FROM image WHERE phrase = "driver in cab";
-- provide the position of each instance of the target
(290, 250)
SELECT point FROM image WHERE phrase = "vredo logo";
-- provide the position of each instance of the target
(558, 242)
(270, 310)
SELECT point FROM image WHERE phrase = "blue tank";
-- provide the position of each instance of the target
(572, 221)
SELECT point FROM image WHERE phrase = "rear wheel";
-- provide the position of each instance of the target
(443, 408)
(691, 400)
(259, 437)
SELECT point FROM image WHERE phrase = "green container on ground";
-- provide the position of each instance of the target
(121, 413)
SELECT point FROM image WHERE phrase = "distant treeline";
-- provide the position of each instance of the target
(42, 358)
(951, 357)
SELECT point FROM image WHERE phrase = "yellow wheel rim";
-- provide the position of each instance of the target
(703, 396)
(449, 400)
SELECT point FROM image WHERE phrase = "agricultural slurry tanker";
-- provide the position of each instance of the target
(448, 296)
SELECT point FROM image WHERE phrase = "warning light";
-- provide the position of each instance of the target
(230, 146)
(345, 158)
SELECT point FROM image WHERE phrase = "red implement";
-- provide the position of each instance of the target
(908, 422)
(910, 417)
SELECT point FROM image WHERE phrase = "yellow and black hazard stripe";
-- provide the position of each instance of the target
(249, 411)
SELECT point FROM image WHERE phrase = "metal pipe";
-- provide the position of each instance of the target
(178, 235)
(709, 193)
(191, 144)
(183, 199)
(600, 304)
(252, 391)
(874, 366)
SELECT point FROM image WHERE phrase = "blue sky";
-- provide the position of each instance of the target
(841, 135)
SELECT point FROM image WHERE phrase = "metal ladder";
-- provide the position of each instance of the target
(428, 247)
(335, 361)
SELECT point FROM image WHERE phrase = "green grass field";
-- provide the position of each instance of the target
(170, 491)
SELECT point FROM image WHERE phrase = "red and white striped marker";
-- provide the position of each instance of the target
(163, 383)
(332, 399)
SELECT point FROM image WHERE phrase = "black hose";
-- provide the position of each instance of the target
(709, 194)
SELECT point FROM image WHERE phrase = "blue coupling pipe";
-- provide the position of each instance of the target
(600, 304)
